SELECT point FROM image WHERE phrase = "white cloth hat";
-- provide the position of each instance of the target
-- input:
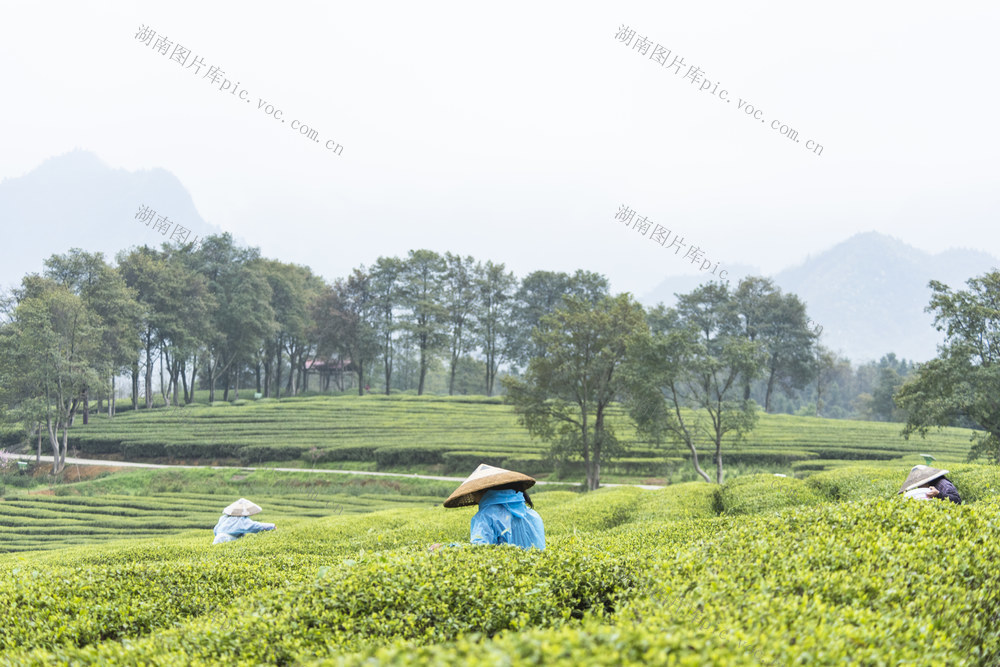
(242, 507)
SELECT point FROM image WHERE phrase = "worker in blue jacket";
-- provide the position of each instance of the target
(235, 522)
(506, 514)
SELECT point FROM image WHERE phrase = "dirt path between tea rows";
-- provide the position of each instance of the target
(130, 464)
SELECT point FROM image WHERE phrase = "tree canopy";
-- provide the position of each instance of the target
(961, 386)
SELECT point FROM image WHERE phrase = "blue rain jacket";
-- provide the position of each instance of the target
(504, 518)
(230, 528)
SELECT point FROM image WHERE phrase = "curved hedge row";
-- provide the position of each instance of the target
(629, 578)
(411, 431)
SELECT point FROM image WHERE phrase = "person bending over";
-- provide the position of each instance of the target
(235, 522)
(506, 514)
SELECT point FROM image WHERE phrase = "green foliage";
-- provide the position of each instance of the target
(566, 393)
(961, 384)
(629, 577)
(451, 430)
(753, 494)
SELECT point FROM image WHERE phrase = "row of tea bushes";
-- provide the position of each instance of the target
(408, 432)
(629, 577)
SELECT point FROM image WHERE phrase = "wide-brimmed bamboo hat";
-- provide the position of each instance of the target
(485, 477)
(920, 475)
(242, 507)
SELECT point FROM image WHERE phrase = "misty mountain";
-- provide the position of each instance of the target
(868, 293)
(77, 201)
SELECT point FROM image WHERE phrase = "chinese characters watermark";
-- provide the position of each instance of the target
(661, 235)
(162, 224)
(664, 57)
(217, 76)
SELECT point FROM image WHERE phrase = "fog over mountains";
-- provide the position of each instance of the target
(77, 201)
(868, 292)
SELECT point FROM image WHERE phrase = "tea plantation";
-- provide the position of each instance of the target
(831, 570)
(152, 503)
(454, 434)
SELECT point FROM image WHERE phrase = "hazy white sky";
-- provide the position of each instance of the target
(514, 132)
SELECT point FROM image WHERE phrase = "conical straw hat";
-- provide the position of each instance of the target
(483, 478)
(920, 475)
(242, 507)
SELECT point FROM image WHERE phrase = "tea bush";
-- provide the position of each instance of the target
(785, 575)
(417, 432)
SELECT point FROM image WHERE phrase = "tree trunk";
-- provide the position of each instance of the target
(388, 374)
(213, 367)
(697, 466)
(451, 377)
(175, 374)
(163, 389)
(423, 372)
(135, 385)
(194, 373)
(65, 446)
(149, 376)
(588, 471)
(85, 396)
(361, 379)
(770, 388)
(184, 382)
(267, 376)
(257, 374)
(38, 453)
(277, 372)
(718, 461)
(54, 441)
(598, 438)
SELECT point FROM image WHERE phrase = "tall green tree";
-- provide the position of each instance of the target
(105, 294)
(961, 386)
(146, 271)
(685, 379)
(294, 290)
(426, 318)
(387, 295)
(565, 393)
(346, 317)
(779, 322)
(243, 315)
(50, 354)
(495, 326)
(540, 294)
(461, 299)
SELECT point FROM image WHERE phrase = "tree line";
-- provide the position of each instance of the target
(221, 317)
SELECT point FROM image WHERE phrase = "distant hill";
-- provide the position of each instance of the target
(77, 201)
(868, 293)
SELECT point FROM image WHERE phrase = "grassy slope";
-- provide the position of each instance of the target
(368, 432)
(151, 503)
(629, 577)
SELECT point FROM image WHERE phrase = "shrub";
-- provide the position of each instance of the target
(261, 453)
(753, 494)
(404, 455)
(327, 455)
(466, 462)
